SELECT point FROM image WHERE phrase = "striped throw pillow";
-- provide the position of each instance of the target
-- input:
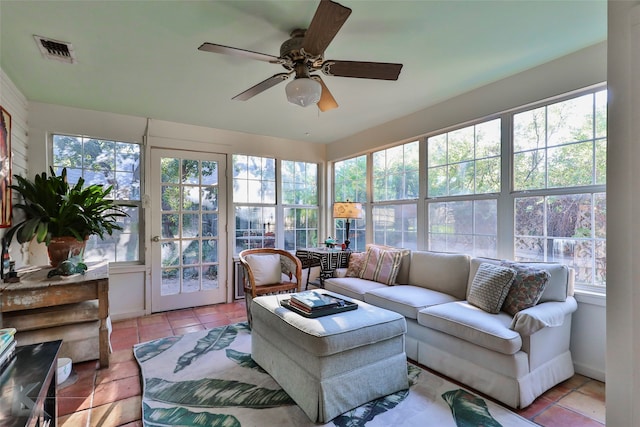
(381, 265)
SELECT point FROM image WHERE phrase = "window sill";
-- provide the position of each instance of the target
(592, 298)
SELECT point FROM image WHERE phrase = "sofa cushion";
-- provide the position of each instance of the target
(356, 260)
(353, 287)
(559, 286)
(381, 265)
(440, 271)
(266, 268)
(527, 287)
(406, 299)
(470, 323)
(490, 287)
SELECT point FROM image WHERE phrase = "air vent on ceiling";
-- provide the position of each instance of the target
(55, 49)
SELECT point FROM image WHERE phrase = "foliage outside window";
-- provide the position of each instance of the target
(396, 179)
(559, 170)
(254, 198)
(300, 200)
(463, 166)
(110, 163)
(350, 183)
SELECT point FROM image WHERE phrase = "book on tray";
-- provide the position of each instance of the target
(311, 301)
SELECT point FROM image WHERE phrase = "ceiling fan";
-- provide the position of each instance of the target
(302, 55)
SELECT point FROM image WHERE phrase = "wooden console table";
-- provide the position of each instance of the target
(36, 291)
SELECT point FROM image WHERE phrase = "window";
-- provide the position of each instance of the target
(110, 163)
(300, 201)
(395, 193)
(350, 183)
(559, 177)
(464, 179)
(254, 198)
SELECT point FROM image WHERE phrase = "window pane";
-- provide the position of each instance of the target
(529, 170)
(350, 178)
(571, 165)
(564, 135)
(529, 130)
(472, 163)
(396, 225)
(468, 226)
(113, 164)
(569, 229)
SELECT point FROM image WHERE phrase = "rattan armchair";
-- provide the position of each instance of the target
(290, 279)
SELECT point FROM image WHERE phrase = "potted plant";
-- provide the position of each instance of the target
(63, 216)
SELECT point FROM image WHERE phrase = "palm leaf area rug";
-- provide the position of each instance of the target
(208, 378)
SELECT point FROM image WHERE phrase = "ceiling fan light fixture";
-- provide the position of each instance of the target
(303, 91)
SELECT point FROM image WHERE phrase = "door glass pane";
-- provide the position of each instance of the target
(190, 246)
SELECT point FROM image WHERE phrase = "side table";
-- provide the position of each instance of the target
(28, 386)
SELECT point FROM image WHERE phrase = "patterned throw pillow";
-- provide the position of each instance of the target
(381, 265)
(490, 287)
(527, 287)
(356, 260)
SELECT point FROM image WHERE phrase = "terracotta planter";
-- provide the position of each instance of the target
(61, 248)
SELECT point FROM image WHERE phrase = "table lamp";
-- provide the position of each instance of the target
(347, 210)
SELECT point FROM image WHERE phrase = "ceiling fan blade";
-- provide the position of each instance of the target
(327, 101)
(326, 23)
(262, 86)
(218, 48)
(362, 70)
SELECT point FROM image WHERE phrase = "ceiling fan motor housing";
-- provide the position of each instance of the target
(292, 50)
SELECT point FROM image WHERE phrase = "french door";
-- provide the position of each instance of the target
(188, 223)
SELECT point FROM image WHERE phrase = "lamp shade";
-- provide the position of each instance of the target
(303, 91)
(348, 210)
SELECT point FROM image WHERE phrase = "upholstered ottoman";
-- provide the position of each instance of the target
(334, 363)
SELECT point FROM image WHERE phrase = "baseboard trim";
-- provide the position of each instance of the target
(589, 371)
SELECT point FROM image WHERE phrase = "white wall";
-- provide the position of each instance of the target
(581, 69)
(16, 105)
(623, 211)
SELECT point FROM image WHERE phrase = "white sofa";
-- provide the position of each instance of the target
(513, 359)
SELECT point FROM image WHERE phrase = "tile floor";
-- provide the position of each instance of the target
(112, 397)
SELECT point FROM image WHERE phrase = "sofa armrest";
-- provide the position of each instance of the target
(546, 314)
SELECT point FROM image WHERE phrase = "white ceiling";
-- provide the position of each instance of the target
(140, 57)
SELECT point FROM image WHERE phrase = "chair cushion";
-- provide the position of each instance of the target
(381, 265)
(266, 268)
(527, 287)
(490, 287)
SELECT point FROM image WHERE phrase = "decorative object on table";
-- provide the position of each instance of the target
(63, 216)
(64, 365)
(330, 242)
(5, 168)
(348, 211)
(69, 267)
(186, 378)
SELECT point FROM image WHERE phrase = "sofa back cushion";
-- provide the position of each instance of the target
(441, 271)
(559, 285)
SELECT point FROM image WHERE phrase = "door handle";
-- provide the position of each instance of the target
(155, 239)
